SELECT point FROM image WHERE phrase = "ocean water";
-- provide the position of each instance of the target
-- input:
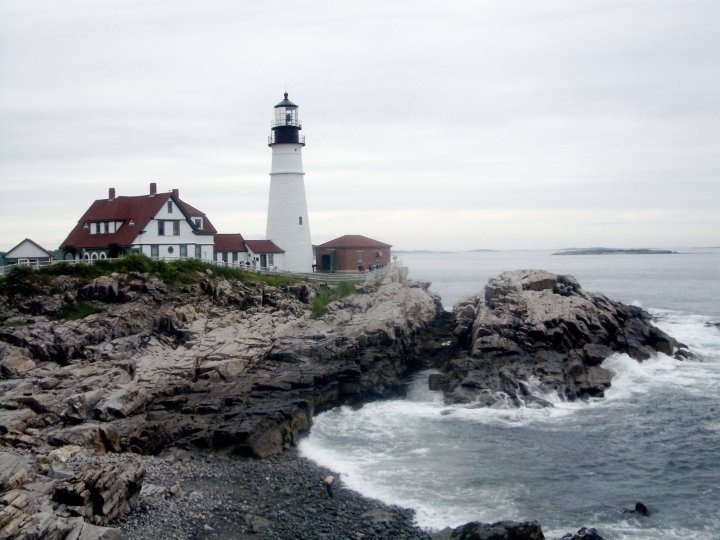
(654, 438)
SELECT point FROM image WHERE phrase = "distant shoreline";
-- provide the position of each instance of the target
(613, 251)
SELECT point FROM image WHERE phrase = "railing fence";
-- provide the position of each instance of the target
(334, 277)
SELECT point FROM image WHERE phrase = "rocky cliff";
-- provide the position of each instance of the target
(531, 332)
(214, 364)
(127, 363)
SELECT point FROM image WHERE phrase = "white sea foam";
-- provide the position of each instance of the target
(395, 450)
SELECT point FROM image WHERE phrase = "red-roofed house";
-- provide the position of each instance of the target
(159, 225)
(264, 254)
(230, 249)
(233, 250)
(351, 253)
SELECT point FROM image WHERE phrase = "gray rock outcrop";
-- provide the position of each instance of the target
(502, 530)
(220, 364)
(224, 366)
(532, 331)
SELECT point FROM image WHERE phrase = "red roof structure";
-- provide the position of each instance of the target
(230, 242)
(354, 241)
(134, 214)
(352, 253)
(263, 246)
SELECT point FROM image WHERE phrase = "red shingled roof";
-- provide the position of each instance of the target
(229, 242)
(139, 210)
(263, 246)
(354, 241)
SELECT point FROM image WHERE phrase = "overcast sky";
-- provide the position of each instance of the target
(429, 124)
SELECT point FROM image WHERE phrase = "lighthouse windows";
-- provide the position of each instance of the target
(300, 220)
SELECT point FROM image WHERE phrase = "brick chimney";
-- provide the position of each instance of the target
(111, 194)
(176, 194)
(153, 188)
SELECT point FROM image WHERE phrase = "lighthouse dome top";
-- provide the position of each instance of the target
(286, 103)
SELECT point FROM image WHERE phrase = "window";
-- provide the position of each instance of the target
(224, 256)
(300, 220)
(183, 250)
(169, 207)
(171, 250)
(198, 251)
(176, 228)
(154, 250)
(96, 226)
(235, 256)
(359, 256)
(106, 227)
(161, 227)
(198, 222)
(271, 259)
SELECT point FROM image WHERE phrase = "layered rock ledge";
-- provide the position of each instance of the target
(215, 365)
(532, 332)
(219, 366)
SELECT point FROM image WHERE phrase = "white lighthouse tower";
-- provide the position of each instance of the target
(287, 221)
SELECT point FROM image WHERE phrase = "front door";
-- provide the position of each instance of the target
(263, 260)
(325, 263)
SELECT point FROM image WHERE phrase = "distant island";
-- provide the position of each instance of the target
(614, 251)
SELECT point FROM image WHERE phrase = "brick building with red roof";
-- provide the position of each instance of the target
(351, 253)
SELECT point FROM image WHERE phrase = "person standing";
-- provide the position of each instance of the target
(328, 485)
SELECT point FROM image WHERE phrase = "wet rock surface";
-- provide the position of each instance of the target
(502, 530)
(531, 332)
(215, 365)
(212, 374)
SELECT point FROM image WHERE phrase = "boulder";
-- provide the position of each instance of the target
(502, 530)
(586, 533)
(534, 329)
(14, 361)
(101, 494)
(13, 472)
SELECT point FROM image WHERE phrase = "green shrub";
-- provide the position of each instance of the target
(325, 296)
(320, 302)
(23, 279)
(135, 262)
(344, 288)
(81, 270)
(74, 310)
(20, 281)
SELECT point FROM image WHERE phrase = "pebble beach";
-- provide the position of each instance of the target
(190, 496)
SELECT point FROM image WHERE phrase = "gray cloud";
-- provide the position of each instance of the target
(539, 124)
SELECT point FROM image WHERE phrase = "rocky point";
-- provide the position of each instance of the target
(127, 363)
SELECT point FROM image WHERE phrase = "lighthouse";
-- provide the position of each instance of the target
(287, 220)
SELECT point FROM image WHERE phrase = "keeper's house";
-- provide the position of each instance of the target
(351, 253)
(159, 225)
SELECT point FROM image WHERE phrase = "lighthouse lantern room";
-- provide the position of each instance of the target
(286, 125)
(287, 221)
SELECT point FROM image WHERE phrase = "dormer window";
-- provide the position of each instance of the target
(198, 222)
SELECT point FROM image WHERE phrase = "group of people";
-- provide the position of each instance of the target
(361, 267)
